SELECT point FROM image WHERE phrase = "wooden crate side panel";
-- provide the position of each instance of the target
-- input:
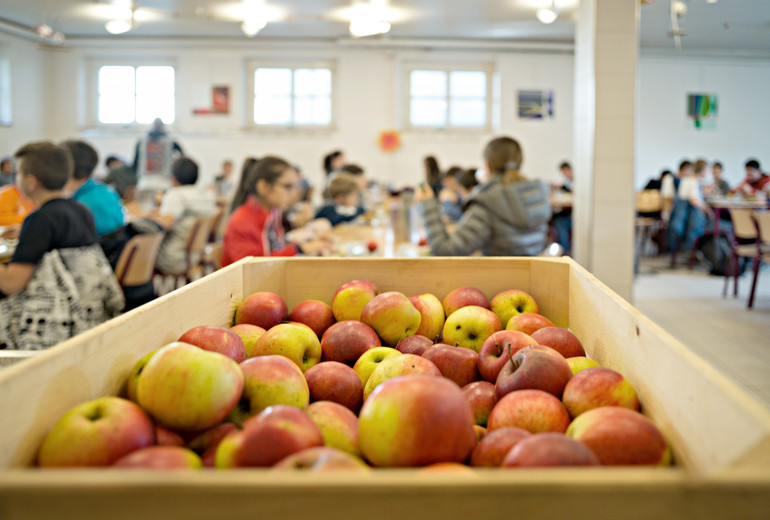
(37, 392)
(550, 286)
(631, 494)
(263, 274)
(710, 422)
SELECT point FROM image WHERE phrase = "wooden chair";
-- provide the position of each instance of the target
(195, 245)
(762, 223)
(136, 263)
(218, 223)
(649, 205)
(213, 257)
(136, 267)
(744, 244)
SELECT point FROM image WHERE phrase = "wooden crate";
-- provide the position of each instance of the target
(720, 436)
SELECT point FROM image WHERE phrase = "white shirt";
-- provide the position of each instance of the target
(667, 187)
(689, 188)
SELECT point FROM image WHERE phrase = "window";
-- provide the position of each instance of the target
(129, 94)
(5, 91)
(292, 96)
(444, 98)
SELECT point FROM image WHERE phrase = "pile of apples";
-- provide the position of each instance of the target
(372, 380)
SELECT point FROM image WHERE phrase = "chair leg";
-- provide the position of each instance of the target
(728, 270)
(757, 262)
(736, 272)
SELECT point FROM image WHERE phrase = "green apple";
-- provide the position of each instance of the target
(133, 377)
(469, 327)
(579, 363)
(512, 302)
(295, 341)
(369, 360)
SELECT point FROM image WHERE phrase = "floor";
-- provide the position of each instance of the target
(689, 305)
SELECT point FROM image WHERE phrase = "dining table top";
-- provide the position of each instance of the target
(738, 202)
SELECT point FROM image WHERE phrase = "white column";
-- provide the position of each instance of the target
(606, 49)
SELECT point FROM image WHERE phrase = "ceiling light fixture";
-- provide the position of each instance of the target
(547, 15)
(123, 20)
(368, 19)
(254, 17)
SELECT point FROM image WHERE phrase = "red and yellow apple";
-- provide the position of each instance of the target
(561, 340)
(533, 410)
(216, 339)
(392, 316)
(315, 314)
(405, 364)
(599, 386)
(336, 382)
(492, 449)
(543, 450)
(460, 365)
(263, 309)
(351, 297)
(338, 425)
(370, 359)
(295, 341)
(497, 350)
(431, 315)
(463, 297)
(345, 341)
(160, 458)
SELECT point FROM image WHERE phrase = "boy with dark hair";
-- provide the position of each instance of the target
(58, 241)
(181, 204)
(121, 177)
(755, 180)
(104, 202)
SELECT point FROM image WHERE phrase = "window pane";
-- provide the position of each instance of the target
(467, 84)
(309, 82)
(116, 80)
(427, 83)
(467, 112)
(116, 95)
(116, 110)
(427, 112)
(272, 110)
(272, 82)
(312, 111)
(154, 94)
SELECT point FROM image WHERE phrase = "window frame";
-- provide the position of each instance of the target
(485, 67)
(293, 65)
(94, 64)
(6, 90)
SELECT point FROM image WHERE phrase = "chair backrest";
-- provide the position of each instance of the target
(216, 255)
(136, 263)
(648, 201)
(743, 224)
(217, 228)
(762, 219)
(199, 235)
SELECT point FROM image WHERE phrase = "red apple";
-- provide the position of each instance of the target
(186, 388)
(96, 433)
(267, 381)
(431, 314)
(481, 396)
(595, 387)
(322, 458)
(507, 304)
(277, 432)
(416, 345)
(295, 341)
(497, 349)
(165, 437)
(416, 421)
(392, 316)
(333, 381)
(547, 450)
(216, 339)
(534, 367)
(619, 436)
(371, 245)
(160, 458)
(249, 334)
(349, 299)
(533, 410)
(463, 297)
(561, 340)
(492, 449)
(461, 365)
(338, 425)
(345, 341)
(528, 322)
(405, 364)
(263, 309)
(315, 314)
(469, 327)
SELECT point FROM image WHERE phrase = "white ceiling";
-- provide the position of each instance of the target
(727, 26)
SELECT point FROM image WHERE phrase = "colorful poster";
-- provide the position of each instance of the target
(535, 104)
(702, 111)
(220, 102)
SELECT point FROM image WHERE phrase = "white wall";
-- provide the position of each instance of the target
(50, 101)
(369, 99)
(664, 137)
(29, 83)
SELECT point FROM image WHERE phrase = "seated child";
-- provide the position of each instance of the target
(58, 282)
(344, 190)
